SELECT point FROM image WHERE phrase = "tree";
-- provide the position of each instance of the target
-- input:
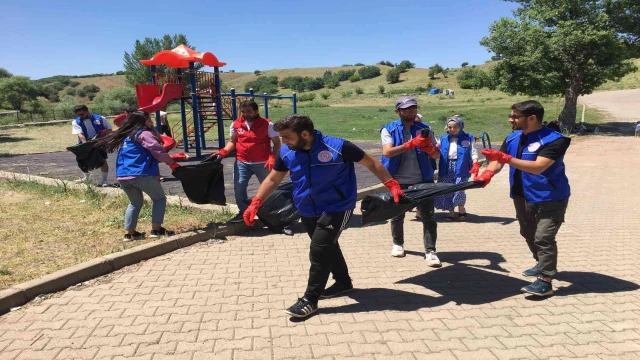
(464, 64)
(445, 73)
(393, 76)
(557, 48)
(70, 91)
(16, 90)
(137, 73)
(91, 88)
(4, 73)
(369, 72)
(406, 65)
(432, 74)
(625, 17)
(36, 106)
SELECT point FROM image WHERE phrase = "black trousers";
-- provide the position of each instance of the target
(166, 130)
(539, 224)
(429, 225)
(324, 253)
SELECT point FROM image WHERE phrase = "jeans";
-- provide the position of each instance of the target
(539, 224)
(242, 172)
(324, 253)
(134, 188)
(429, 225)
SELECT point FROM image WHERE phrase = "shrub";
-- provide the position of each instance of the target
(70, 91)
(81, 93)
(346, 93)
(74, 83)
(344, 75)
(472, 78)
(331, 83)
(257, 72)
(429, 85)
(325, 95)
(406, 65)
(358, 64)
(91, 88)
(464, 64)
(359, 90)
(393, 76)
(314, 104)
(369, 72)
(306, 97)
(263, 84)
(354, 78)
(381, 89)
(91, 96)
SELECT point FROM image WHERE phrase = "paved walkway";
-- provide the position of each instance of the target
(225, 300)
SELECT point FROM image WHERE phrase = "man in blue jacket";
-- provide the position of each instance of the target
(325, 190)
(539, 187)
(88, 126)
(408, 155)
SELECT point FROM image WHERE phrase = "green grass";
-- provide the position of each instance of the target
(631, 81)
(364, 122)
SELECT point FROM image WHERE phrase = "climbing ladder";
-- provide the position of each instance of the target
(208, 116)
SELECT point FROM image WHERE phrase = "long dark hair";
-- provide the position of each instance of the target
(135, 122)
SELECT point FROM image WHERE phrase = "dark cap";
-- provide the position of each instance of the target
(405, 102)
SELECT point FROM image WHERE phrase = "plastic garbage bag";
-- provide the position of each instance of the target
(380, 207)
(87, 156)
(278, 212)
(203, 183)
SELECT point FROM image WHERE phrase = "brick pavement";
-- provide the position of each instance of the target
(225, 300)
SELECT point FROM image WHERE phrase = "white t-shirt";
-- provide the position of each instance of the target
(91, 132)
(270, 132)
(453, 150)
(409, 172)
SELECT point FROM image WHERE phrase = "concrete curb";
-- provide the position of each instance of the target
(21, 294)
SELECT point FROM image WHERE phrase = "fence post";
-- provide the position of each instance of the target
(295, 105)
(266, 106)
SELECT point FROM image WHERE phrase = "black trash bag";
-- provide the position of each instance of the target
(87, 156)
(203, 183)
(278, 212)
(380, 207)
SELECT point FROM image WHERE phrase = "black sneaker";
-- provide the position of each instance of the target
(538, 288)
(237, 219)
(302, 308)
(335, 290)
(533, 272)
(161, 232)
(135, 236)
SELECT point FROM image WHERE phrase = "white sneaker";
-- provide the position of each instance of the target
(104, 184)
(397, 251)
(81, 180)
(432, 259)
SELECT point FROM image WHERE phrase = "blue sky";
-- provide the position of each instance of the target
(45, 38)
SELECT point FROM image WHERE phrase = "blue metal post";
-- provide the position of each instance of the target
(220, 124)
(266, 106)
(183, 117)
(295, 105)
(251, 93)
(484, 145)
(196, 112)
(234, 109)
(153, 81)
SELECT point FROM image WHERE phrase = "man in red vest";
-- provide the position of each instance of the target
(251, 136)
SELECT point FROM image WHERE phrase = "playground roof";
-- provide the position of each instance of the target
(181, 56)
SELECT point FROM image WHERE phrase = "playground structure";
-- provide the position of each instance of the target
(202, 103)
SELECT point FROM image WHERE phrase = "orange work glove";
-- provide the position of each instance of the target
(222, 153)
(395, 189)
(249, 215)
(174, 166)
(270, 162)
(495, 155)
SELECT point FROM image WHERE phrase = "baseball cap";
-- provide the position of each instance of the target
(405, 102)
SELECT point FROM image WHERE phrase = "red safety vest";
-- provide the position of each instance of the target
(253, 145)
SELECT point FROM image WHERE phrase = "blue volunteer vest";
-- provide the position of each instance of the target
(322, 181)
(465, 144)
(134, 160)
(552, 184)
(392, 164)
(96, 121)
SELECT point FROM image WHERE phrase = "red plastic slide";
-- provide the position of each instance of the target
(150, 101)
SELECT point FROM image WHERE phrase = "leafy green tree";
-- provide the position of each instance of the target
(464, 64)
(4, 73)
(16, 90)
(137, 73)
(565, 48)
(406, 65)
(369, 72)
(393, 75)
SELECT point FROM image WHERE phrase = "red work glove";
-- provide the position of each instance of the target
(102, 133)
(495, 155)
(475, 169)
(251, 212)
(485, 176)
(222, 153)
(270, 162)
(394, 188)
(174, 166)
(430, 148)
(418, 141)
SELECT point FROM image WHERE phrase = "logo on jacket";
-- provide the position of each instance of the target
(240, 131)
(325, 156)
(465, 143)
(533, 146)
(97, 122)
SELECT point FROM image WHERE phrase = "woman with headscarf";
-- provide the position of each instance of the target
(458, 160)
